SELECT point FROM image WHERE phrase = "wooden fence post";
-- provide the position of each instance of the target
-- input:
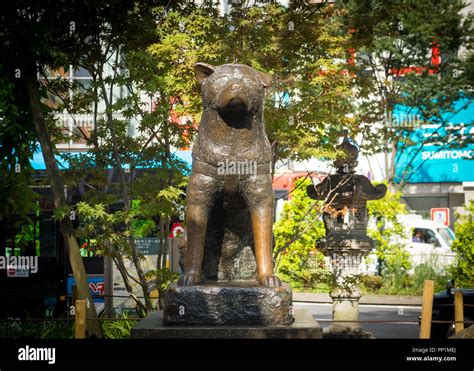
(427, 309)
(458, 311)
(75, 295)
(80, 323)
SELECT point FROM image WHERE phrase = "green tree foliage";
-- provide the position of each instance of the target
(161, 280)
(395, 65)
(463, 245)
(300, 263)
(148, 190)
(304, 48)
(53, 34)
(156, 60)
(17, 144)
(390, 237)
(188, 34)
(297, 259)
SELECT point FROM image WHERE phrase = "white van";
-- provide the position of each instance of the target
(430, 242)
(434, 246)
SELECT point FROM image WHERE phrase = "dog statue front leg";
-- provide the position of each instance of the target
(196, 220)
(262, 220)
(200, 197)
(259, 197)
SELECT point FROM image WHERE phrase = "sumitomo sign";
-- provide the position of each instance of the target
(448, 155)
(442, 152)
(433, 164)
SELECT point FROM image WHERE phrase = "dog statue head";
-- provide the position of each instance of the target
(232, 89)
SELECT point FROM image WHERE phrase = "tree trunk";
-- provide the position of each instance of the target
(127, 206)
(125, 190)
(140, 273)
(67, 229)
(390, 152)
(392, 165)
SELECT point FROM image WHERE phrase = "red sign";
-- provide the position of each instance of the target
(435, 62)
(440, 215)
(176, 230)
(97, 288)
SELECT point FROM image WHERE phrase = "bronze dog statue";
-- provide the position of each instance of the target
(231, 155)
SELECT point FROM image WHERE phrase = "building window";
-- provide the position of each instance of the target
(76, 128)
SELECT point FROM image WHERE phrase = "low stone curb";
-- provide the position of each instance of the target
(365, 299)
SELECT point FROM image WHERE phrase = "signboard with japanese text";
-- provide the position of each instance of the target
(147, 246)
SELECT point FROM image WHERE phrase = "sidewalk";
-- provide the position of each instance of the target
(365, 299)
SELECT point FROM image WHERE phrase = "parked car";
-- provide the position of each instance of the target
(443, 310)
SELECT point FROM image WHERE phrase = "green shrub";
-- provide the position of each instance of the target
(463, 245)
(298, 261)
(429, 272)
(371, 283)
(313, 275)
(399, 282)
(118, 328)
(37, 329)
(389, 235)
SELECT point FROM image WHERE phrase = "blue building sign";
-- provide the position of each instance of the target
(434, 152)
(37, 162)
(96, 286)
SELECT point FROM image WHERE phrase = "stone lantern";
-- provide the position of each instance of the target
(345, 195)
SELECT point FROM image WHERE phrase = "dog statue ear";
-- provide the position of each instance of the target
(266, 79)
(203, 70)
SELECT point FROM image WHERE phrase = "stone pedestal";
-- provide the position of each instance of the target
(304, 326)
(244, 303)
(345, 307)
(346, 256)
(228, 310)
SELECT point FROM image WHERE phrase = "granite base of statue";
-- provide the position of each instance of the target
(228, 304)
(228, 310)
(228, 288)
